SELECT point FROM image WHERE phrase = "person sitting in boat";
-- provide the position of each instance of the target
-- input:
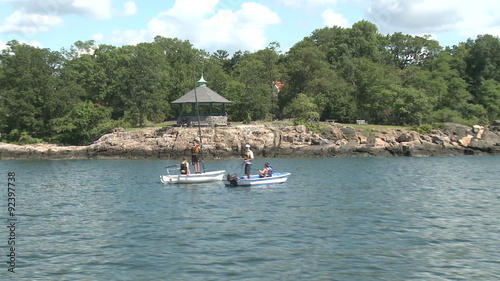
(195, 151)
(266, 172)
(185, 167)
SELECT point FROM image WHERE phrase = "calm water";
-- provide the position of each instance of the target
(335, 219)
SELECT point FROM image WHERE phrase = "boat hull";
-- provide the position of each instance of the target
(212, 176)
(277, 178)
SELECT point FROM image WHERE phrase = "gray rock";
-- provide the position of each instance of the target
(269, 141)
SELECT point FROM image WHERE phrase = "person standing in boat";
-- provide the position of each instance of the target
(248, 161)
(185, 166)
(195, 151)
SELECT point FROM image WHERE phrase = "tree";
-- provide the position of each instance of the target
(411, 106)
(365, 41)
(257, 103)
(181, 64)
(303, 108)
(29, 84)
(236, 92)
(409, 50)
(221, 55)
(144, 96)
(483, 64)
(372, 81)
(339, 102)
(489, 97)
(308, 73)
(85, 123)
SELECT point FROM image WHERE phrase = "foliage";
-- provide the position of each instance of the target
(302, 108)
(85, 123)
(422, 129)
(314, 126)
(15, 136)
(344, 74)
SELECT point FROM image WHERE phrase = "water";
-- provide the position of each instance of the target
(335, 219)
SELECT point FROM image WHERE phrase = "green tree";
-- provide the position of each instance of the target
(236, 92)
(407, 50)
(87, 73)
(181, 65)
(483, 64)
(256, 104)
(339, 102)
(85, 123)
(489, 97)
(29, 88)
(145, 99)
(303, 108)
(308, 73)
(373, 96)
(366, 42)
(411, 106)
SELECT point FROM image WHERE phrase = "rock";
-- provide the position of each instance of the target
(478, 130)
(348, 132)
(269, 141)
(457, 131)
(495, 126)
(465, 141)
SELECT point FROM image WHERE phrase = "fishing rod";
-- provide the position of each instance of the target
(199, 126)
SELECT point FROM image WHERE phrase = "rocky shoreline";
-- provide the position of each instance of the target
(272, 141)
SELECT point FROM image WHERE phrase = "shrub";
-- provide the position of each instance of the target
(422, 129)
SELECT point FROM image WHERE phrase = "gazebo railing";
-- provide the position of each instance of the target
(205, 121)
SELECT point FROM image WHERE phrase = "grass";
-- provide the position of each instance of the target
(151, 125)
(376, 127)
(277, 123)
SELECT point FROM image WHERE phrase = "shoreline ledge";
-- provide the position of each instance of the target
(335, 140)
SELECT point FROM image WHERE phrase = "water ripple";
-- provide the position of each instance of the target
(335, 219)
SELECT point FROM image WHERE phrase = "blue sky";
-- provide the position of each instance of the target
(235, 24)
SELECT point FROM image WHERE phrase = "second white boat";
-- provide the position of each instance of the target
(277, 178)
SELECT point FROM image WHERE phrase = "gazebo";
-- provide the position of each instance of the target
(211, 107)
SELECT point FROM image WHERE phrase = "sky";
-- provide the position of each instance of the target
(234, 25)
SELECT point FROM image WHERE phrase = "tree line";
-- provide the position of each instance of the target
(74, 95)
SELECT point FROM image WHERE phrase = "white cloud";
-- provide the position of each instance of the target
(33, 43)
(130, 37)
(28, 24)
(32, 17)
(330, 18)
(467, 18)
(243, 29)
(208, 28)
(3, 45)
(130, 8)
(101, 9)
(301, 3)
(192, 9)
(98, 36)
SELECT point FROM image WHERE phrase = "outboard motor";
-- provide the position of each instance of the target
(232, 179)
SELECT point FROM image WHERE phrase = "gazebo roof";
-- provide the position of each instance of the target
(203, 94)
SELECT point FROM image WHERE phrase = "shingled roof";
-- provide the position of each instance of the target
(204, 95)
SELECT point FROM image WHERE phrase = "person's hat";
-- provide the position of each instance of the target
(247, 145)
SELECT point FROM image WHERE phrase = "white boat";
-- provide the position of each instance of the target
(205, 177)
(254, 180)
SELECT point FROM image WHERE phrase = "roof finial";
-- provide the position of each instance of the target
(202, 81)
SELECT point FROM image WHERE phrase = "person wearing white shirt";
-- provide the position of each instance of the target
(248, 161)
